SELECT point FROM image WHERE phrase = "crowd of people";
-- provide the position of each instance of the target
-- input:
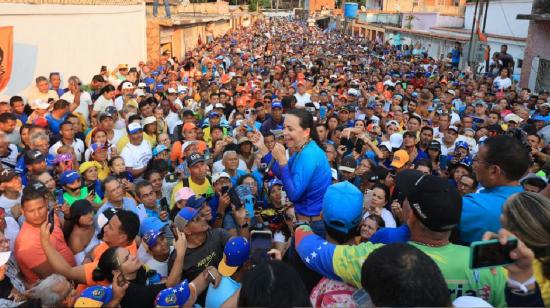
(368, 166)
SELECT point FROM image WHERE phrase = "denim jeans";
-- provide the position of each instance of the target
(166, 7)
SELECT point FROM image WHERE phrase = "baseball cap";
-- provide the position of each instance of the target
(219, 105)
(348, 164)
(176, 296)
(172, 91)
(276, 104)
(392, 122)
(188, 126)
(159, 149)
(34, 156)
(87, 165)
(512, 117)
(213, 114)
(150, 237)
(148, 120)
(103, 218)
(97, 146)
(334, 174)
(462, 144)
(94, 296)
(196, 202)
(235, 253)
(434, 145)
(182, 89)
(127, 85)
(80, 207)
(342, 206)
(396, 140)
(400, 158)
(435, 202)
(151, 224)
(219, 175)
(274, 182)
(186, 144)
(105, 114)
(452, 127)
(68, 177)
(134, 128)
(6, 175)
(185, 215)
(183, 194)
(194, 159)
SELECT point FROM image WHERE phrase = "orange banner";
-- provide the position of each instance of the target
(6, 55)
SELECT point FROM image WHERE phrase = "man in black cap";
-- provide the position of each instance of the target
(35, 163)
(199, 182)
(432, 208)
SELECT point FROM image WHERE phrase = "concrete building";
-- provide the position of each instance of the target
(536, 62)
(191, 23)
(73, 37)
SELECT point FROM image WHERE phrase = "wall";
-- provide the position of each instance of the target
(219, 7)
(538, 45)
(425, 6)
(72, 40)
(502, 17)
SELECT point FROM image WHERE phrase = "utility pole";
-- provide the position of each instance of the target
(472, 35)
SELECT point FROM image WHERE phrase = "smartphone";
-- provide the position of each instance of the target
(164, 205)
(59, 196)
(323, 112)
(249, 205)
(51, 220)
(211, 277)
(234, 198)
(173, 228)
(283, 198)
(91, 189)
(491, 253)
(359, 145)
(260, 244)
(224, 190)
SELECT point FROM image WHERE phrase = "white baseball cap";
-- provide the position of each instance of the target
(127, 85)
(396, 140)
(40, 104)
(219, 175)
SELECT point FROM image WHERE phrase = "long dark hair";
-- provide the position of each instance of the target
(107, 88)
(108, 262)
(305, 122)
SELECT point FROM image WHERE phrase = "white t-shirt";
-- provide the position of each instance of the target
(10, 160)
(172, 120)
(7, 204)
(502, 83)
(160, 267)
(137, 156)
(11, 231)
(302, 99)
(117, 134)
(85, 102)
(78, 147)
(101, 103)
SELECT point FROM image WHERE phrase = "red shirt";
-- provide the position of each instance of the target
(29, 253)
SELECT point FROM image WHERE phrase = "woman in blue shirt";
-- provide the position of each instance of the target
(306, 174)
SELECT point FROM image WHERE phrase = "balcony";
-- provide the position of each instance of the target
(392, 19)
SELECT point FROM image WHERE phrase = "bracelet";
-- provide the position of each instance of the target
(521, 285)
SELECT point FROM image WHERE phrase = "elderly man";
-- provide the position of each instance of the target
(137, 153)
(230, 162)
(80, 101)
(54, 291)
(42, 91)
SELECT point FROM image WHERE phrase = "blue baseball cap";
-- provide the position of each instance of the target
(462, 144)
(149, 81)
(196, 202)
(276, 104)
(174, 297)
(185, 215)
(159, 149)
(155, 73)
(95, 296)
(134, 128)
(235, 254)
(342, 206)
(274, 182)
(151, 224)
(159, 87)
(68, 177)
(150, 237)
(213, 114)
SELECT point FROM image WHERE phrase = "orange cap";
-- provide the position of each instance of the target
(189, 126)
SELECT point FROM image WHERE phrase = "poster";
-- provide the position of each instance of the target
(6, 55)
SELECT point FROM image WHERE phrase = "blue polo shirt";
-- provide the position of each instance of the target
(481, 211)
(55, 123)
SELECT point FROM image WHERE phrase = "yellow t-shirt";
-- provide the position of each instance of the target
(204, 189)
(544, 283)
(103, 172)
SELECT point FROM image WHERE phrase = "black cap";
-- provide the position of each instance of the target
(34, 156)
(434, 145)
(81, 207)
(434, 201)
(194, 159)
(381, 172)
(6, 175)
